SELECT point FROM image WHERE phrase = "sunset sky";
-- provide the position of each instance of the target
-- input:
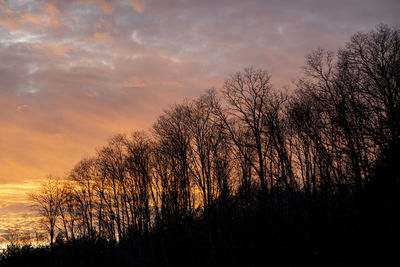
(73, 73)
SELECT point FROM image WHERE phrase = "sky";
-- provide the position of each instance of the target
(74, 73)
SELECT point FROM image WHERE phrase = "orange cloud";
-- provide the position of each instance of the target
(4, 7)
(52, 10)
(51, 18)
(106, 8)
(102, 36)
(138, 5)
(15, 210)
(10, 23)
(56, 48)
(31, 18)
(134, 82)
(104, 26)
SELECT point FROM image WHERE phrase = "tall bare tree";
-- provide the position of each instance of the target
(48, 201)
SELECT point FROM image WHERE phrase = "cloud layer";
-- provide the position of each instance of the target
(72, 73)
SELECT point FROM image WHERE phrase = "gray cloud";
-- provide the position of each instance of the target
(72, 73)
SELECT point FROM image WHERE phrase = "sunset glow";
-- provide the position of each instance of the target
(75, 73)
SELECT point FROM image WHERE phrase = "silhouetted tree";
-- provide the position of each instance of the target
(171, 131)
(250, 175)
(48, 202)
(247, 94)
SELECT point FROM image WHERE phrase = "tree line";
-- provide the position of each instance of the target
(302, 164)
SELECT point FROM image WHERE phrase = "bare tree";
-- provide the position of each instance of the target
(48, 202)
(374, 59)
(139, 183)
(208, 162)
(248, 95)
(83, 193)
(173, 138)
(112, 167)
(69, 211)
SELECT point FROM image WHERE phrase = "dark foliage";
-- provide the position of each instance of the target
(340, 232)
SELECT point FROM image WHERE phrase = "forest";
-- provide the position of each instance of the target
(245, 175)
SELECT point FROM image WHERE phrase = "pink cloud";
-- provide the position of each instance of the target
(31, 18)
(10, 23)
(58, 49)
(102, 37)
(138, 5)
